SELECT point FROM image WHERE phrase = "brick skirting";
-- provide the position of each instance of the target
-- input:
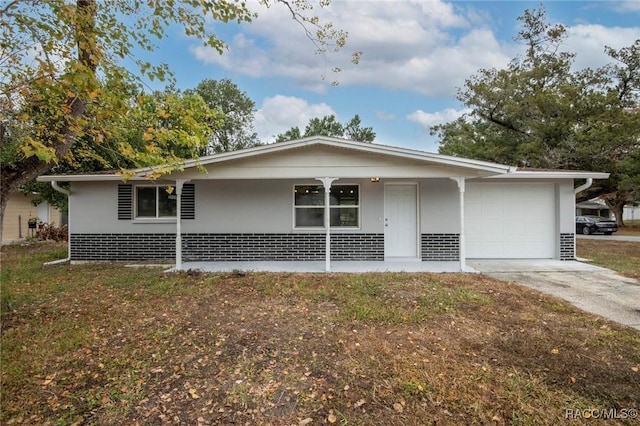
(122, 246)
(247, 247)
(440, 247)
(227, 247)
(567, 247)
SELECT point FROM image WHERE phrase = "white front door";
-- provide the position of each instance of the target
(400, 221)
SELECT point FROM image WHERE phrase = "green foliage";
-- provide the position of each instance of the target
(291, 134)
(329, 126)
(538, 112)
(62, 81)
(237, 132)
(165, 128)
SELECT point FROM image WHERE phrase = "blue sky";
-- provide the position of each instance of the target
(415, 54)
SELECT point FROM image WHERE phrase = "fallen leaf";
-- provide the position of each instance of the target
(332, 418)
(634, 369)
(360, 403)
(193, 394)
(555, 351)
(305, 422)
(398, 407)
(572, 380)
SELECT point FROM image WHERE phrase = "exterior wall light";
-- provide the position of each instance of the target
(376, 179)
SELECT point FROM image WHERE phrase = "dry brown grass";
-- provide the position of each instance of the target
(104, 344)
(632, 228)
(621, 256)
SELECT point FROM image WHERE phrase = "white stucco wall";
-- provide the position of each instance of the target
(566, 199)
(222, 206)
(439, 206)
(93, 209)
(246, 206)
(266, 206)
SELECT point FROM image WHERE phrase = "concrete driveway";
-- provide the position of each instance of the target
(591, 288)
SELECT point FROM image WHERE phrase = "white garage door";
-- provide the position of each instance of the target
(510, 221)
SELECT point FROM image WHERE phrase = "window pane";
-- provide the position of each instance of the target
(344, 216)
(309, 217)
(344, 195)
(309, 195)
(167, 206)
(146, 201)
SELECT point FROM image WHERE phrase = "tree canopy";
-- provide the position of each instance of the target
(330, 126)
(539, 112)
(56, 55)
(237, 131)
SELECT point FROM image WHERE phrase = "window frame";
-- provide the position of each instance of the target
(157, 217)
(337, 207)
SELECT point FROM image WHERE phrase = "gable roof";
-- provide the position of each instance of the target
(313, 141)
(364, 147)
(414, 159)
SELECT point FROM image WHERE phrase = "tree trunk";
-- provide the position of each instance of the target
(13, 176)
(616, 204)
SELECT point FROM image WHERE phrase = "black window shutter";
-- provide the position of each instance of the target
(125, 202)
(188, 207)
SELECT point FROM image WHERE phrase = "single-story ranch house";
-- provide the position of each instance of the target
(325, 199)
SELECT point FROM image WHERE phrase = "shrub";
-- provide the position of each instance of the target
(49, 231)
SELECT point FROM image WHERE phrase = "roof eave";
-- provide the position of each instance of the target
(551, 174)
(85, 178)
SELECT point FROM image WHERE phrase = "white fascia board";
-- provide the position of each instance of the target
(85, 178)
(551, 174)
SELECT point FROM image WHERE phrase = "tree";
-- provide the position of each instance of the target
(168, 123)
(329, 126)
(237, 132)
(540, 113)
(58, 52)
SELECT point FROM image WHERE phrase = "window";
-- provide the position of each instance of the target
(155, 202)
(309, 206)
(345, 205)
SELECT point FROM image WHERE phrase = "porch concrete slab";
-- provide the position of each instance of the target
(593, 289)
(319, 266)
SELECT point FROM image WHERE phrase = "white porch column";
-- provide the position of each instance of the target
(461, 250)
(326, 182)
(178, 192)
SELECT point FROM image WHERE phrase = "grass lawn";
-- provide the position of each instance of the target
(632, 231)
(105, 344)
(621, 256)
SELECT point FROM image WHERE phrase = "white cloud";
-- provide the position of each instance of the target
(423, 46)
(279, 113)
(426, 47)
(588, 42)
(626, 6)
(428, 119)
